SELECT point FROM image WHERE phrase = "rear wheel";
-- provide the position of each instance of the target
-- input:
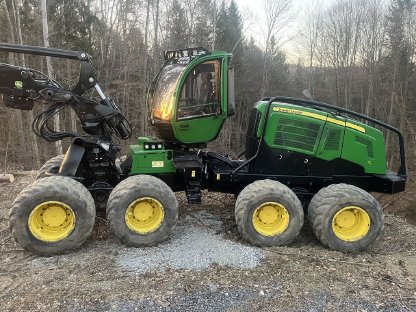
(52, 215)
(142, 210)
(268, 213)
(51, 167)
(345, 217)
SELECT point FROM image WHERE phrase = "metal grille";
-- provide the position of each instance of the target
(298, 134)
(367, 143)
(333, 140)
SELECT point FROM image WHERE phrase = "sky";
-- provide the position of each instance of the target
(253, 12)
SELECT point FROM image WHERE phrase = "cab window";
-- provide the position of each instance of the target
(200, 94)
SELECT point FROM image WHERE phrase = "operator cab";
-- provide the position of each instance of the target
(192, 96)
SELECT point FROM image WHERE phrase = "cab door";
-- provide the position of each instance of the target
(199, 114)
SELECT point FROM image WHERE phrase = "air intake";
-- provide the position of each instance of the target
(333, 140)
(367, 143)
(291, 133)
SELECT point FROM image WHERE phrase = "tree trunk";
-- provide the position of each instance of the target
(45, 32)
(156, 44)
(4, 177)
(214, 26)
(145, 67)
(35, 148)
(12, 60)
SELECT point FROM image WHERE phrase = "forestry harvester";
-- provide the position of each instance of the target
(300, 155)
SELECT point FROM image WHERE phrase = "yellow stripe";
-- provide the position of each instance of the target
(355, 127)
(320, 117)
(336, 121)
(313, 115)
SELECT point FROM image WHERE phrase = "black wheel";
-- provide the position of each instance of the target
(51, 167)
(345, 217)
(53, 215)
(268, 213)
(142, 210)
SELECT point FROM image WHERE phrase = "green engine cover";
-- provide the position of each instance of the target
(323, 135)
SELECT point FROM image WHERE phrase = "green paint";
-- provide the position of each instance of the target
(202, 129)
(198, 130)
(305, 130)
(18, 84)
(366, 149)
(150, 161)
(294, 132)
(330, 145)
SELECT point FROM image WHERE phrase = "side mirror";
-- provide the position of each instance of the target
(231, 93)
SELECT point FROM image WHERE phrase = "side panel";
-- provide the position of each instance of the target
(365, 148)
(198, 130)
(151, 161)
(330, 146)
(326, 136)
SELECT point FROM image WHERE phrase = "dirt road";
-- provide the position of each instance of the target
(205, 266)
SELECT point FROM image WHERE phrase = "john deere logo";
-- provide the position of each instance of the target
(18, 84)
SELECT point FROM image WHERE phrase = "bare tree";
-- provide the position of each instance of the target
(34, 141)
(45, 31)
(277, 18)
(310, 30)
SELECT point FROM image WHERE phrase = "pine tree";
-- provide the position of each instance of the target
(204, 25)
(74, 22)
(229, 28)
(177, 32)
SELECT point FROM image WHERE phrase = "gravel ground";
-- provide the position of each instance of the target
(206, 266)
(193, 247)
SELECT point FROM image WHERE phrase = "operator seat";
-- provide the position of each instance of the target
(205, 91)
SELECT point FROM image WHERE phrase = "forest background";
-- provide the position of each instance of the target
(357, 54)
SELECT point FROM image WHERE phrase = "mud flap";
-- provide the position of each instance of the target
(72, 160)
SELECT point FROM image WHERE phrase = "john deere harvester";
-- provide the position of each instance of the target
(297, 153)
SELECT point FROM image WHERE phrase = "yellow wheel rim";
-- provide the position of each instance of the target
(144, 215)
(51, 221)
(270, 219)
(351, 223)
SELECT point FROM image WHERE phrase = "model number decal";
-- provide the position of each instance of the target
(157, 164)
(320, 117)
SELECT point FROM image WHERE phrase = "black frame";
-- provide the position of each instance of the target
(87, 78)
(184, 53)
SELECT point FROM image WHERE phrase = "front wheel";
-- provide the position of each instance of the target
(52, 215)
(268, 213)
(142, 210)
